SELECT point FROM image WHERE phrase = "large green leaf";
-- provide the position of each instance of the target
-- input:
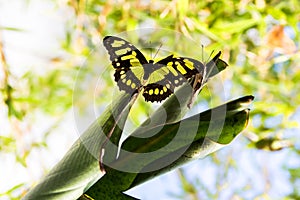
(208, 138)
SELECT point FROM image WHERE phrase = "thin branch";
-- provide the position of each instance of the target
(4, 66)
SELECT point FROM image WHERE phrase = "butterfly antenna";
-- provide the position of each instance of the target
(157, 50)
(150, 49)
(202, 52)
(210, 55)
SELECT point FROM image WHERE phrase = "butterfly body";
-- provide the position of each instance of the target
(149, 68)
(158, 79)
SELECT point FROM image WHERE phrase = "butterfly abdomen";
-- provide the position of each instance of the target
(148, 69)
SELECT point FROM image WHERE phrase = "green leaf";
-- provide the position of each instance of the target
(235, 27)
(204, 142)
(7, 28)
(13, 189)
(202, 27)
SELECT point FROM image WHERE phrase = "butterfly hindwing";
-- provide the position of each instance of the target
(157, 91)
(126, 80)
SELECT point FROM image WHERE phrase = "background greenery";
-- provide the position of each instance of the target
(259, 39)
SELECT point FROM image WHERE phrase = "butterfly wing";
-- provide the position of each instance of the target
(170, 73)
(215, 65)
(128, 62)
(157, 91)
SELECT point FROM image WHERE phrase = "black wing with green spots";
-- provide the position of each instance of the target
(133, 70)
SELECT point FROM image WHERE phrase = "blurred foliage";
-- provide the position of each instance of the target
(259, 39)
(295, 176)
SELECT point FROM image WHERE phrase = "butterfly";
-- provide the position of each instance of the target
(157, 79)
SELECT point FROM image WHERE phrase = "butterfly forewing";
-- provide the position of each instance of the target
(119, 48)
(180, 69)
(128, 62)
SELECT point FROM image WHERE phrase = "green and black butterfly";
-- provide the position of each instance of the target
(159, 79)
